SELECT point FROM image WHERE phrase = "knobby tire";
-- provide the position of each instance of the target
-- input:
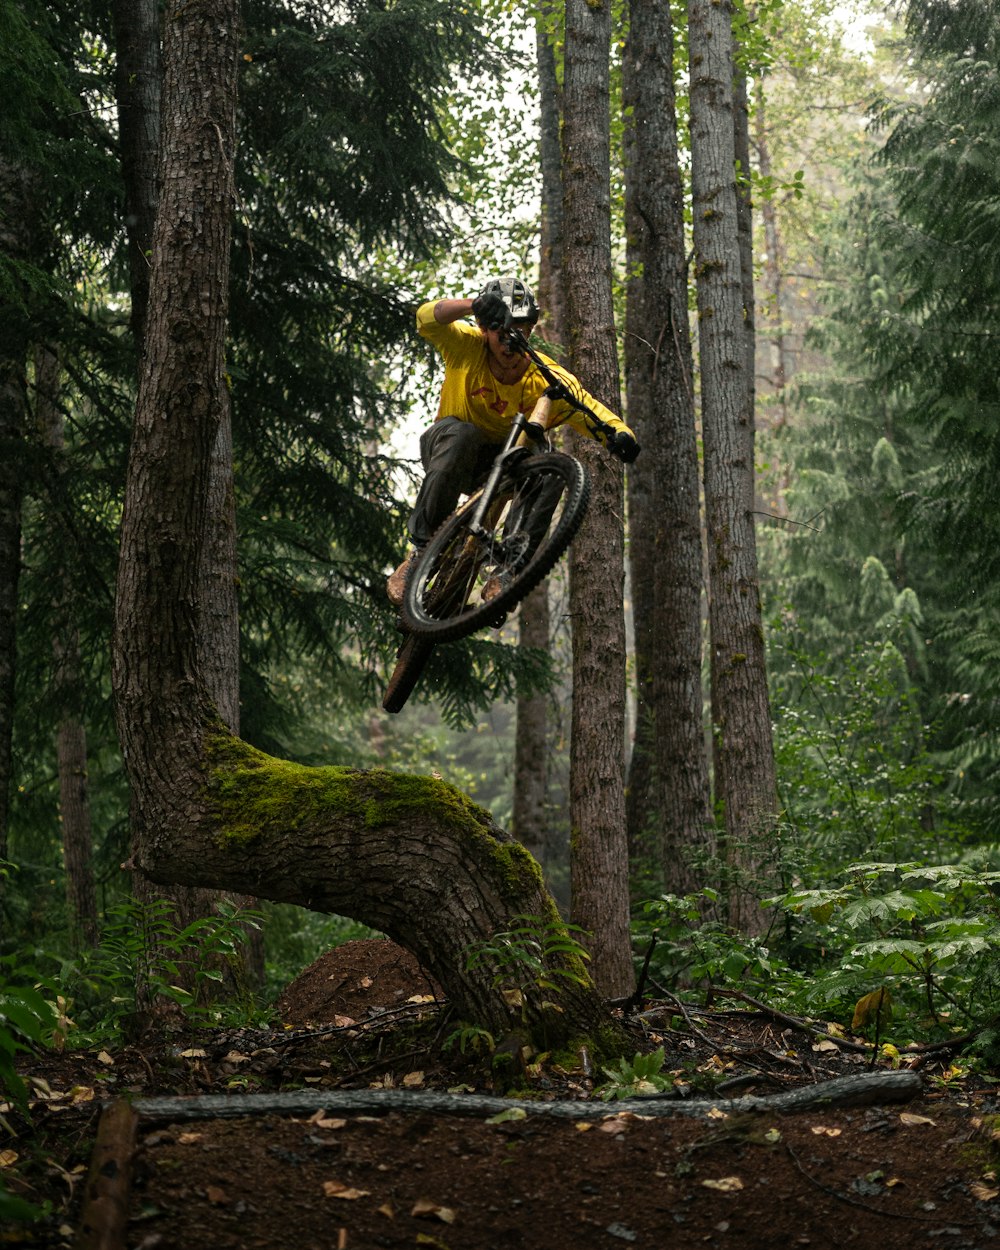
(411, 658)
(441, 604)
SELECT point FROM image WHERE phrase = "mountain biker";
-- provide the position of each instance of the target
(486, 383)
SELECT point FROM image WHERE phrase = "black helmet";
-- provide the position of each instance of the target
(516, 295)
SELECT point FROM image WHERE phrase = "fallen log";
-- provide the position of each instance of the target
(847, 1091)
(104, 1217)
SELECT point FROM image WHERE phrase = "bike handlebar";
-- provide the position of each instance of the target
(557, 387)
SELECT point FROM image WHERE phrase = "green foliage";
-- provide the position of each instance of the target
(27, 1019)
(145, 960)
(470, 1039)
(642, 1074)
(692, 947)
(540, 952)
(929, 932)
(896, 453)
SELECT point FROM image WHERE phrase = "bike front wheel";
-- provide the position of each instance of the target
(465, 581)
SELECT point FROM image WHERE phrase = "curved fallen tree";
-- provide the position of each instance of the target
(408, 856)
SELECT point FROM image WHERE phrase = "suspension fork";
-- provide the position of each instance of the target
(518, 438)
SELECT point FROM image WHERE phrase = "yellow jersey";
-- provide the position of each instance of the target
(471, 393)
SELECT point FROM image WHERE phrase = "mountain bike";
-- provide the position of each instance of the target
(498, 545)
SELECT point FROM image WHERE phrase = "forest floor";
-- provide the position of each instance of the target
(362, 1023)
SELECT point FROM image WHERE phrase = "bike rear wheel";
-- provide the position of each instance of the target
(540, 506)
(411, 659)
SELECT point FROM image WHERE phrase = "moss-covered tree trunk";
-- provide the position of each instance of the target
(408, 856)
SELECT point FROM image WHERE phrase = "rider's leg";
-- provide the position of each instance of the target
(456, 458)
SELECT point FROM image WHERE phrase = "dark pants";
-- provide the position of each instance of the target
(456, 459)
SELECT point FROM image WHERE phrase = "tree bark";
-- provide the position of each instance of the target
(668, 791)
(598, 839)
(16, 241)
(772, 269)
(71, 732)
(531, 815)
(138, 81)
(408, 856)
(745, 778)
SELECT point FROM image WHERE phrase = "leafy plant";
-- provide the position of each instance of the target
(145, 959)
(26, 1020)
(540, 951)
(930, 931)
(642, 1074)
(692, 947)
(470, 1038)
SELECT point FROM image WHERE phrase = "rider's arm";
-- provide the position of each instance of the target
(565, 411)
(448, 310)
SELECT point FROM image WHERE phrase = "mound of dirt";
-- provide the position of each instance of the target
(356, 980)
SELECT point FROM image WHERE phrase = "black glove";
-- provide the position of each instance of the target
(623, 445)
(490, 311)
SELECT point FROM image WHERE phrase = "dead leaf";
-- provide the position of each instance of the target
(235, 1056)
(825, 1046)
(821, 1130)
(907, 1117)
(344, 1022)
(81, 1093)
(186, 1139)
(616, 1124)
(715, 1113)
(983, 1193)
(105, 1058)
(427, 1210)
(366, 983)
(337, 1189)
(387, 1210)
(194, 1053)
(725, 1184)
(583, 1126)
(512, 1113)
(421, 998)
(322, 1120)
(413, 1079)
(216, 1195)
(872, 1008)
(8, 1158)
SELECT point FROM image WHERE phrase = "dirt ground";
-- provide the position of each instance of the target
(364, 1018)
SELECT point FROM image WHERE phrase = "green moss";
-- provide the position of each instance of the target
(255, 795)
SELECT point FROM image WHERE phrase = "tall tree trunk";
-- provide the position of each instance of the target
(745, 757)
(598, 838)
(772, 273)
(16, 215)
(668, 793)
(531, 814)
(71, 732)
(138, 84)
(138, 81)
(406, 855)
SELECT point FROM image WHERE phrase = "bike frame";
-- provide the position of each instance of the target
(527, 429)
